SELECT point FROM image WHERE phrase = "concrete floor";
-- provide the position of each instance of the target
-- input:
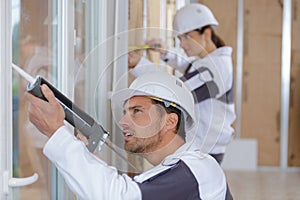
(264, 184)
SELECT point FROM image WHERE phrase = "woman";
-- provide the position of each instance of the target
(209, 76)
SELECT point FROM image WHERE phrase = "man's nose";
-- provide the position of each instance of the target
(124, 121)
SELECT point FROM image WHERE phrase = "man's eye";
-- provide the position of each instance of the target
(136, 110)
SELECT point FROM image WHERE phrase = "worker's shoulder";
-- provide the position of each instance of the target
(200, 162)
(220, 55)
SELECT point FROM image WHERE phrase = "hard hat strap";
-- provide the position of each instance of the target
(166, 103)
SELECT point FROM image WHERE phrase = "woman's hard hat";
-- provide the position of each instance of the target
(163, 86)
(191, 17)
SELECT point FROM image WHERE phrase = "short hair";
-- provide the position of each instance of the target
(171, 109)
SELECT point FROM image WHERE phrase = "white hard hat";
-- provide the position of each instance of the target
(163, 86)
(191, 17)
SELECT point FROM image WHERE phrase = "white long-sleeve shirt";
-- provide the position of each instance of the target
(188, 175)
(211, 81)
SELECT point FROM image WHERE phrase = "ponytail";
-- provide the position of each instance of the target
(217, 40)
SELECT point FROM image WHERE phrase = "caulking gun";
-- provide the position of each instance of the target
(73, 114)
(94, 132)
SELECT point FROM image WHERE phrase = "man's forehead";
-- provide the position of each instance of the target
(142, 100)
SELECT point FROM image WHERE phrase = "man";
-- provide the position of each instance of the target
(154, 112)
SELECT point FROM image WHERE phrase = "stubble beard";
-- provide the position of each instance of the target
(143, 145)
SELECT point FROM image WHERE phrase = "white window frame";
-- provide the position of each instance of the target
(5, 100)
(65, 82)
(65, 74)
(285, 81)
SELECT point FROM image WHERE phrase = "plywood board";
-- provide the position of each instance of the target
(261, 113)
(295, 24)
(135, 22)
(294, 115)
(262, 78)
(154, 16)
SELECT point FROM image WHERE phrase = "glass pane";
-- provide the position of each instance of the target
(79, 52)
(34, 50)
(94, 51)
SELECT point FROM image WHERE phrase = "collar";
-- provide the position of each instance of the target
(167, 163)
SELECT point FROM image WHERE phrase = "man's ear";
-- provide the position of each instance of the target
(172, 121)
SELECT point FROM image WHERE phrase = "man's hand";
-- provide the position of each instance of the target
(46, 116)
(82, 138)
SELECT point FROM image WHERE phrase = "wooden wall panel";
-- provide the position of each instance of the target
(135, 26)
(135, 22)
(154, 16)
(294, 117)
(262, 78)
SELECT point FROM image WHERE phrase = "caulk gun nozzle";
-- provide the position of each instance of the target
(24, 74)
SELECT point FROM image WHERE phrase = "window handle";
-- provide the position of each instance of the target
(17, 182)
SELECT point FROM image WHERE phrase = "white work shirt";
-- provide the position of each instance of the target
(196, 175)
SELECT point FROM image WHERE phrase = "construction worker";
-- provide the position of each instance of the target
(155, 107)
(208, 73)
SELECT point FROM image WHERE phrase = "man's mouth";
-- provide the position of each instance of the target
(128, 134)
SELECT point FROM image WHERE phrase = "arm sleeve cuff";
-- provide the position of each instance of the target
(144, 66)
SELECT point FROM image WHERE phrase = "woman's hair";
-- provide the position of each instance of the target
(214, 37)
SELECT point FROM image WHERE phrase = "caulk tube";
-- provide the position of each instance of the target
(80, 120)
